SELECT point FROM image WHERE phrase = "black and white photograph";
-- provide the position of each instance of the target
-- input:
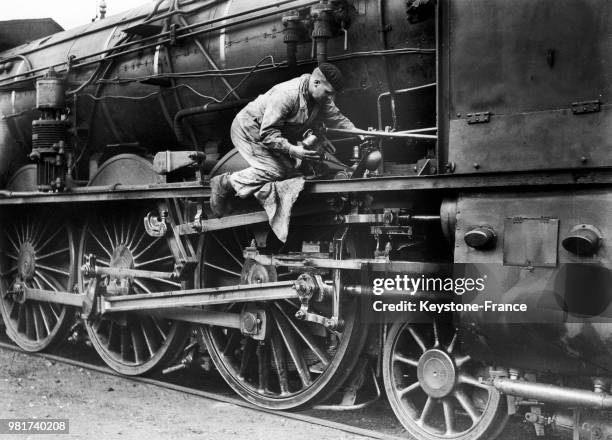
(306, 219)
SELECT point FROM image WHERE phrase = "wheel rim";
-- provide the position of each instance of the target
(131, 343)
(38, 251)
(298, 363)
(433, 388)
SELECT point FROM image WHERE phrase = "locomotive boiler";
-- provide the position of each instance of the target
(485, 167)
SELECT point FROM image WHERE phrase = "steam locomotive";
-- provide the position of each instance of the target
(486, 160)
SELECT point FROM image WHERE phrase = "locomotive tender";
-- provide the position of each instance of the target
(487, 159)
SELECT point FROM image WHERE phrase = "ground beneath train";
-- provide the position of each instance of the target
(103, 406)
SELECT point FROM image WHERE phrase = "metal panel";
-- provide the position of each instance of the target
(527, 63)
(542, 140)
(528, 55)
(531, 242)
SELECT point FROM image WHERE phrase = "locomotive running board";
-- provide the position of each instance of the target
(582, 177)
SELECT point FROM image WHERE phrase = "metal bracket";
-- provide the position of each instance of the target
(310, 286)
(156, 225)
(580, 108)
(478, 118)
(253, 323)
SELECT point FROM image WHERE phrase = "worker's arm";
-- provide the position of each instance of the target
(331, 116)
(279, 107)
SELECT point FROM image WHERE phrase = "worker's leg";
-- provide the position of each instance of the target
(265, 166)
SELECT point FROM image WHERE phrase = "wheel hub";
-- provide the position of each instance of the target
(437, 373)
(255, 273)
(122, 258)
(27, 261)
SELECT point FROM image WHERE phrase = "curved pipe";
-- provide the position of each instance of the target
(203, 109)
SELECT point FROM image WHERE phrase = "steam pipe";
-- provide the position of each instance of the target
(381, 134)
(208, 108)
(554, 394)
(385, 94)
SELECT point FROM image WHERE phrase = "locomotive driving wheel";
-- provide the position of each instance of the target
(131, 343)
(38, 251)
(434, 389)
(298, 363)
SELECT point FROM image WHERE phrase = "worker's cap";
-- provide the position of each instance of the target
(333, 75)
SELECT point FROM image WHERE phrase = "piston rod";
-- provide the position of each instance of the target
(554, 394)
(200, 297)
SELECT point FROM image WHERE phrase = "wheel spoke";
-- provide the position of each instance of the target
(30, 324)
(21, 317)
(121, 238)
(467, 405)
(172, 283)
(237, 240)
(245, 359)
(417, 338)
(52, 269)
(426, 411)
(44, 245)
(50, 254)
(279, 362)
(12, 242)
(131, 235)
(111, 326)
(460, 361)
(95, 237)
(293, 348)
(157, 327)
(44, 318)
(108, 235)
(55, 314)
(227, 251)
(42, 277)
(115, 234)
(146, 336)
(11, 256)
(157, 260)
(141, 285)
(405, 360)
(231, 341)
(451, 346)
(124, 343)
(41, 233)
(150, 245)
(449, 416)
(19, 239)
(221, 269)
(142, 237)
(436, 335)
(262, 367)
(409, 389)
(307, 338)
(8, 271)
(36, 323)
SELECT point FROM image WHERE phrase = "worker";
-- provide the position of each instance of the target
(266, 131)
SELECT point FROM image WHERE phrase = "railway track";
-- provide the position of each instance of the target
(219, 395)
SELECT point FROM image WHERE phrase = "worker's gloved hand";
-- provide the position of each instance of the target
(299, 152)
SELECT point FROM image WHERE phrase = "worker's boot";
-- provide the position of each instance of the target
(221, 195)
